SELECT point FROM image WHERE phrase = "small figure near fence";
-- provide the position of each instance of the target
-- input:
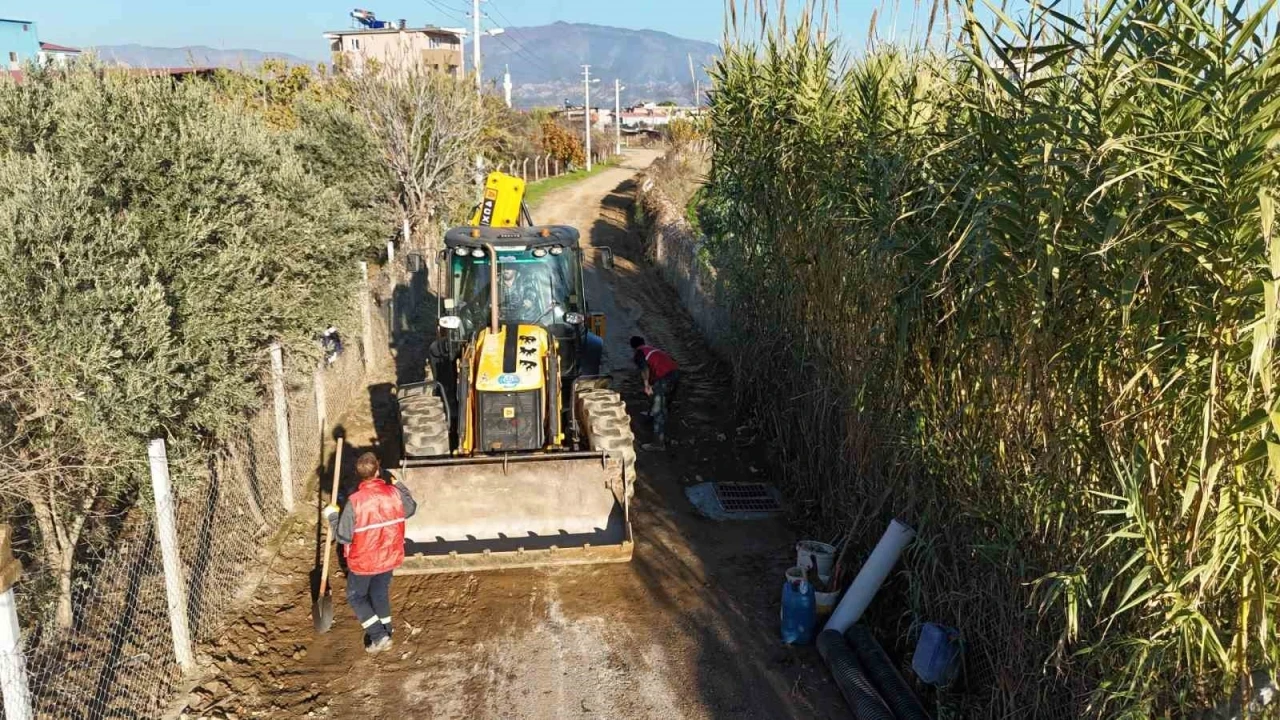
(371, 527)
(331, 342)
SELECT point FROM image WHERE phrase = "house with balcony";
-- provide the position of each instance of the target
(397, 45)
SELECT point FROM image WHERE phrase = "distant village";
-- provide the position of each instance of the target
(437, 48)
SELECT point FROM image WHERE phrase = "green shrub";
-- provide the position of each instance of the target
(153, 241)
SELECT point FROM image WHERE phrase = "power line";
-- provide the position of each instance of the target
(462, 8)
(453, 14)
(511, 44)
(505, 22)
(519, 50)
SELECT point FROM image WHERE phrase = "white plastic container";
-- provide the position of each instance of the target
(826, 603)
(809, 550)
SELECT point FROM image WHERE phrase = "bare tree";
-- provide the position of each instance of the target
(429, 127)
(58, 479)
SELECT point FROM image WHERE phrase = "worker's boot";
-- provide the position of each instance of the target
(377, 646)
(659, 446)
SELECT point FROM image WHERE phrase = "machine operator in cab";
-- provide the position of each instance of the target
(520, 297)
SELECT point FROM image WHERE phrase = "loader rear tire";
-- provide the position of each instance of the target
(604, 420)
(424, 426)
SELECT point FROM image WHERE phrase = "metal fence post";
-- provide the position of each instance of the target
(167, 530)
(283, 454)
(524, 169)
(366, 316)
(13, 666)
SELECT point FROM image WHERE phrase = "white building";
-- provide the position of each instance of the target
(53, 54)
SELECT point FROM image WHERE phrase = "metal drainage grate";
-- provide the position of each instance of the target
(746, 498)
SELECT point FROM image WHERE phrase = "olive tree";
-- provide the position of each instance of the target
(153, 242)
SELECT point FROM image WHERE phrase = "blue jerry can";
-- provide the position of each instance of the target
(799, 609)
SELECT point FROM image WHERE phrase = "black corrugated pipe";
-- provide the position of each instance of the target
(886, 678)
(853, 683)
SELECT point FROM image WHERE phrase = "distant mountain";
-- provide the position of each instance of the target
(546, 63)
(197, 55)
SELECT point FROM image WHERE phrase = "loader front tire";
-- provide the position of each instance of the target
(424, 426)
(604, 420)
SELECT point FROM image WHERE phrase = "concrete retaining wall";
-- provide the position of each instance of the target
(673, 246)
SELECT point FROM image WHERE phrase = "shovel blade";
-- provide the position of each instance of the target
(536, 511)
(322, 613)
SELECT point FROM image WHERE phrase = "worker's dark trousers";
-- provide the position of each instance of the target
(664, 389)
(370, 597)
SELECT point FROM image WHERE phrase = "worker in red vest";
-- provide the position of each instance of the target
(371, 526)
(661, 374)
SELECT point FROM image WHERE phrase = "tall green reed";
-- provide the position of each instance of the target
(1024, 294)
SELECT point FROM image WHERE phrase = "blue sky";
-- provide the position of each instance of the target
(295, 26)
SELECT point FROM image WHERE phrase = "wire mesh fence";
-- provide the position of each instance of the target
(118, 658)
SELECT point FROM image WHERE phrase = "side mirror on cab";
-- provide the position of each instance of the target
(414, 261)
(606, 258)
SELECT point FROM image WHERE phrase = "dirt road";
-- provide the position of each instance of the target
(688, 629)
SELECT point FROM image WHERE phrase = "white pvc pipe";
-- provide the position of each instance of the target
(871, 576)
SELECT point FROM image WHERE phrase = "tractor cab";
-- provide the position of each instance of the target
(537, 281)
(519, 453)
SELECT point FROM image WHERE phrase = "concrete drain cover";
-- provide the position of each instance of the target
(746, 498)
(735, 501)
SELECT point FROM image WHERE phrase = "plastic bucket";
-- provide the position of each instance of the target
(809, 550)
(826, 602)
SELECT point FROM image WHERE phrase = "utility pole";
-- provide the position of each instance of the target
(506, 84)
(694, 77)
(475, 44)
(586, 108)
(617, 117)
(462, 55)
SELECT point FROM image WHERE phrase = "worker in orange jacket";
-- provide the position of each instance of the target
(371, 526)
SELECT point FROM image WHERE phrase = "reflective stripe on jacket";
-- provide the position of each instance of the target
(660, 364)
(377, 540)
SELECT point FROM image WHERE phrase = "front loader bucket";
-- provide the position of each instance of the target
(489, 513)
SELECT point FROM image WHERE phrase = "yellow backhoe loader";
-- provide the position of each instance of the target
(517, 451)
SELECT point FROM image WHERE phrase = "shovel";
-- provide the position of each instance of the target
(322, 609)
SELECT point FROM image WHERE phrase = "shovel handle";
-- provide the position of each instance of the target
(328, 527)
